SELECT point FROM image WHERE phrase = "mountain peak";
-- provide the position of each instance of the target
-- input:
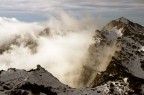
(123, 20)
(121, 23)
(126, 38)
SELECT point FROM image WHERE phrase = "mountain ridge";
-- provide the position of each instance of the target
(118, 48)
(128, 61)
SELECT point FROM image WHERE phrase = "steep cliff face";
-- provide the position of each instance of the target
(130, 39)
(128, 60)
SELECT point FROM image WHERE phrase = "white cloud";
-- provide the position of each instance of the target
(62, 52)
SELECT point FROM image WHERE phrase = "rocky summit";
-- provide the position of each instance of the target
(118, 48)
(128, 60)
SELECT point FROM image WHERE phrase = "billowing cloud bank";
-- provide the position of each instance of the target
(60, 45)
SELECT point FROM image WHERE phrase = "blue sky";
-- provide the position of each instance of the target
(39, 10)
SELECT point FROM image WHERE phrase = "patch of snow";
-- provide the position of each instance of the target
(113, 33)
(142, 48)
(119, 32)
(125, 80)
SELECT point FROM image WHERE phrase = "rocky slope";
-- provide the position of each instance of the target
(40, 82)
(127, 62)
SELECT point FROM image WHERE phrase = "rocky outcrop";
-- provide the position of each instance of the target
(40, 82)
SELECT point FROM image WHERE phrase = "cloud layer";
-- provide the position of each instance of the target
(60, 45)
(44, 5)
(133, 9)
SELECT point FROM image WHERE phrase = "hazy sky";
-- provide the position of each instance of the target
(39, 10)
